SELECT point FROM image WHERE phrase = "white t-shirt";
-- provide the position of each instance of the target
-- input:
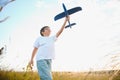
(46, 47)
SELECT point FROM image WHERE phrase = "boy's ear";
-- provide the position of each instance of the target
(42, 32)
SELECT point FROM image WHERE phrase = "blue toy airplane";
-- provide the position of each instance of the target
(66, 13)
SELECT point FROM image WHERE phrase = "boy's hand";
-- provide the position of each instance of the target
(67, 18)
(30, 63)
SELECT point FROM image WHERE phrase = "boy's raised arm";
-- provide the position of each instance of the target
(63, 26)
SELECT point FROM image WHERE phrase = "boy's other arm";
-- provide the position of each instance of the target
(62, 28)
(33, 54)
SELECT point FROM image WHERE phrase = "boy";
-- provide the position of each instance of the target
(44, 47)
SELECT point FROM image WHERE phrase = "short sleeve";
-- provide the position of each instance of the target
(36, 44)
(54, 38)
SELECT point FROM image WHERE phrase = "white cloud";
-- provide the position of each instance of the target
(45, 4)
(40, 3)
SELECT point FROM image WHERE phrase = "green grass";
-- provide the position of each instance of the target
(12, 75)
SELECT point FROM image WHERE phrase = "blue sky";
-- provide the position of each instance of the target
(17, 11)
(80, 48)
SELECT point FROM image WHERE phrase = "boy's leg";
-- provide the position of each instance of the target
(44, 70)
(49, 61)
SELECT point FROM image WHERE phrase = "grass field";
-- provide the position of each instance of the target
(12, 75)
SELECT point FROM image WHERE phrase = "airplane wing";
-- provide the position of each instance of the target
(70, 11)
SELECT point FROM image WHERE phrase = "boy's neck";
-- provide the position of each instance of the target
(46, 35)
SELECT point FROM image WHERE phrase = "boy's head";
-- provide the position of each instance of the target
(45, 31)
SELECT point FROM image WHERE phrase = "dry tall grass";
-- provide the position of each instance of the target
(100, 75)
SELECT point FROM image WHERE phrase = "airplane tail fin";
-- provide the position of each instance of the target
(70, 25)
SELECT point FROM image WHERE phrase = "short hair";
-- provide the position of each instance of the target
(42, 30)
